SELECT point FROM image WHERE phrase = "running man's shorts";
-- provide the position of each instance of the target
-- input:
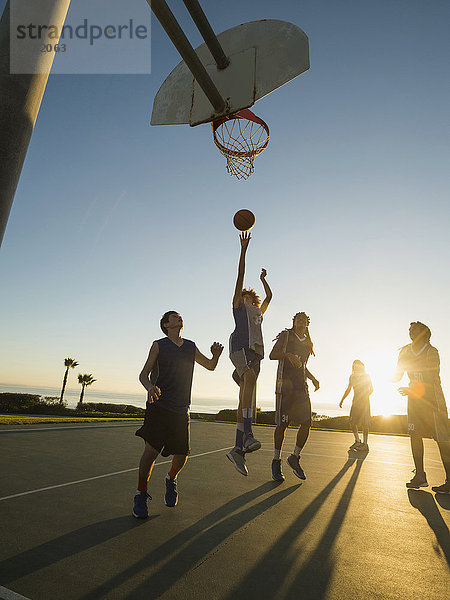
(165, 430)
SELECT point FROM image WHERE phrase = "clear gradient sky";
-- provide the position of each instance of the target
(114, 222)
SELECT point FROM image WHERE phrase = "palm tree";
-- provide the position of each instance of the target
(69, 363)
(85, 380)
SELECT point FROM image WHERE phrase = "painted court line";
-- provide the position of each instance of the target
(59, 485)
(106, 426)
(6, 594)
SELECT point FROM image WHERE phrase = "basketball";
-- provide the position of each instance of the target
(244, 219)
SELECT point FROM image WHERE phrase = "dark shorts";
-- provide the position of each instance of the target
(244, 360)
(424, 420)
(165, 429)
(292, 406)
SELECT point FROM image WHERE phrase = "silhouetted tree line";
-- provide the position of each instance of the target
(16, 403)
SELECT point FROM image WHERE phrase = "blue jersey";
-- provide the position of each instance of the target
(247, 332)
(288, 376)
(173, 373)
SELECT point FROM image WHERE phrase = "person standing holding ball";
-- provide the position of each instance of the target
(246, 353)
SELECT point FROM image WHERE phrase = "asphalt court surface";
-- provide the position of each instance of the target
(351, 530)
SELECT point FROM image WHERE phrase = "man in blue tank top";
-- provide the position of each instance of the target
(167, 377)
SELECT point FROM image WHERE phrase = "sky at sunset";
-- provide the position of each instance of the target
(114, 222)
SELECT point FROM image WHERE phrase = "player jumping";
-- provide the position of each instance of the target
(246, 353)
(167, 377)
(292, 350)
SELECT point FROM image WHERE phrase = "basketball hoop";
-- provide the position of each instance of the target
(240, 137)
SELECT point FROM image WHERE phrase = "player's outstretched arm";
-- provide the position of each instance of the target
(244, 238)
(267, 290)
(347, 392)
(315, 382)
(209, 363)
(153, 391)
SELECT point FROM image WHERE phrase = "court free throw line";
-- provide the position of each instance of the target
(59, 485)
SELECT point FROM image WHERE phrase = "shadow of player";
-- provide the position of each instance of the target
(425, 503)
(443, 500)
(314, 576)
(64, 546)
(358, 454)
(177, 556)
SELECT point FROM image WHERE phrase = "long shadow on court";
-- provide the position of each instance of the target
(64, 546)
(425, 503)
(312, 580)
(443, 500)
(192, 544)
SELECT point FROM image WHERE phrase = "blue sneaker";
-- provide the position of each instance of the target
(140, 510)
(171, 495)
(277, 474)
(250, 443)
(294, 462)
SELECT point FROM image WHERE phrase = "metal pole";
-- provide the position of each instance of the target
(20, 100)
(181, 43)
(207, 32)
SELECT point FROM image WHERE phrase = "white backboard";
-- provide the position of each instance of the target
(264, 55)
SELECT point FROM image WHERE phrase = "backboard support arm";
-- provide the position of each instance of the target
(204, 27)
(187, 52)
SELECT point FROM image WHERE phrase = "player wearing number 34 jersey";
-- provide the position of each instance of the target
(292, 350)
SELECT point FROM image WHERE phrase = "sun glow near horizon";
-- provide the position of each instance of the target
(385, 400)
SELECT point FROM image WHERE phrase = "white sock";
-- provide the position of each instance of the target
(277, 454)
(297, 451)
(365, 437)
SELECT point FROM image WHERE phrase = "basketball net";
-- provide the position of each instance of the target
(240, 138)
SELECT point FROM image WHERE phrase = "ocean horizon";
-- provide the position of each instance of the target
(202, 405)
